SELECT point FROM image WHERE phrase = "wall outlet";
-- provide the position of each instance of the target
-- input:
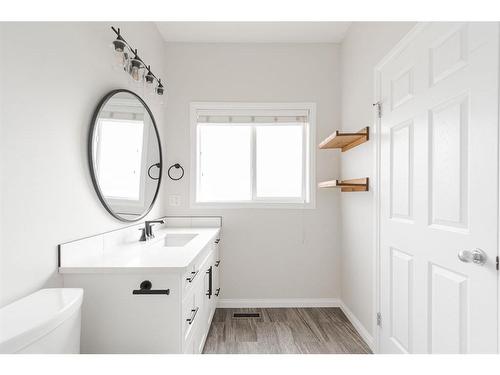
(174, 200)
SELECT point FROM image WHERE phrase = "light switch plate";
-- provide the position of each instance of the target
(174, 200)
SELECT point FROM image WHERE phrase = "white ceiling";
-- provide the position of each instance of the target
(253, 32)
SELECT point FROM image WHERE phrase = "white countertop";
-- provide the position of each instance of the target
(148, 256)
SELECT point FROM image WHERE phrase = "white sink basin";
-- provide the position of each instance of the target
(178, 240)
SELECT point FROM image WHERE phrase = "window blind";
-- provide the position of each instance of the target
(261, 117)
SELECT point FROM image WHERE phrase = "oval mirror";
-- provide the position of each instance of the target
(125, 155)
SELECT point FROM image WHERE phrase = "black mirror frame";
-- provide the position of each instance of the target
(101, 104)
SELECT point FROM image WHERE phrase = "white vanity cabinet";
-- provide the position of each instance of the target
(172, 313)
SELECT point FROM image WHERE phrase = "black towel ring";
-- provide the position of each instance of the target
(176, 166)
(149, 171)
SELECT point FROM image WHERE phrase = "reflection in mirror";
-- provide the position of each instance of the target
(125, 155)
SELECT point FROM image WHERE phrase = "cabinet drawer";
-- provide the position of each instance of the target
(195, 341)
(195, 271)
(190, 277)
(190, 345)
(190, 316)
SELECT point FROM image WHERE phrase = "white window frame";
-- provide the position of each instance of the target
(309, 187)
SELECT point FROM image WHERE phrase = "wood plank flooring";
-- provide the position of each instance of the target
(284, 331)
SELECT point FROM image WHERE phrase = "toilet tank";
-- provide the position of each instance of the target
(47, 321)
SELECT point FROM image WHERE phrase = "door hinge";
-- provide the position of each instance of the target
(497, 262)
(379, 319)
(378, 106)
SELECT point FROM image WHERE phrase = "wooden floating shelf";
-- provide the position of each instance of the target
(346, 141)
(357, 184)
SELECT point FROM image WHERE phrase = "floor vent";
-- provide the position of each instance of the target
(246, 315)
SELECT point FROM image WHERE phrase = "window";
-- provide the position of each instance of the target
(252, 155)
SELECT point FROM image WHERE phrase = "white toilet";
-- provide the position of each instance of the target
(47, 321)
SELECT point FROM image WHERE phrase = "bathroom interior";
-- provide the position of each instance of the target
(249, 187)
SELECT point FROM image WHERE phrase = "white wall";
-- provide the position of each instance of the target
(267, 253)
(53, 76)
(366, 43)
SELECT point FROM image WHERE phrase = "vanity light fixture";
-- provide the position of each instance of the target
(135, 66)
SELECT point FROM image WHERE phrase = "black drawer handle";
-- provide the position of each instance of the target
(193, 275)
(146, 286)
(217, 292)
(209, 292)
(151, 291)
(190, 320)
(217, 263)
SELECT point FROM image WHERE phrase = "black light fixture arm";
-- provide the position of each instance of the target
(134, 50)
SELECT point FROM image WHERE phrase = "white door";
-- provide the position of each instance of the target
(439, 191)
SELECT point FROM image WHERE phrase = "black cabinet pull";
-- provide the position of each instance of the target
(151, 291)
(209, 272)
(145, 288)
(217, 292)
(190, 320)
(217, 263)
(193, 275)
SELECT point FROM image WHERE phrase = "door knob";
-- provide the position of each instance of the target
(477, 256)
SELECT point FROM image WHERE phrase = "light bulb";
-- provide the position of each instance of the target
(120, 59)
(135, 73)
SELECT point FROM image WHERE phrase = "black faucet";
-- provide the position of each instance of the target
(147, 231)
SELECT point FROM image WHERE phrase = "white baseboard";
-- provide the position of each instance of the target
(363, 332)
(302, 302)
(281, 302)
